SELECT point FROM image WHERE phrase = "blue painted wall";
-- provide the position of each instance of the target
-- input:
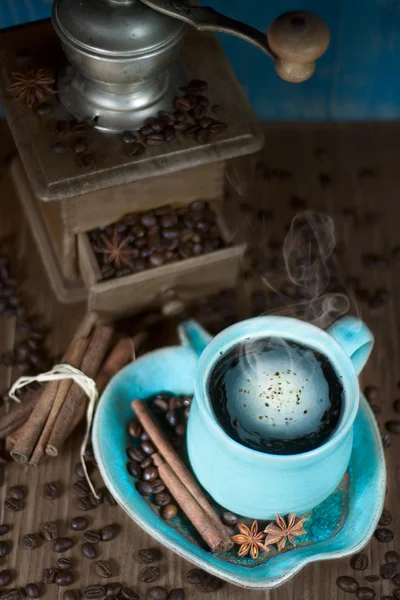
(357, 79)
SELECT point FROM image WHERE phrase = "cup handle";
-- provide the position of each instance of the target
(193, 335)
(355, 338)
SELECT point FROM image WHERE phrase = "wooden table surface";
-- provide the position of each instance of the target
(361, 162)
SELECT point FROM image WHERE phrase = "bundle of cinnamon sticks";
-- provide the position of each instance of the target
(182, 485)
(59, 406)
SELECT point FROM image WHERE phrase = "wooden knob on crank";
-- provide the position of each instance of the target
(297, 39)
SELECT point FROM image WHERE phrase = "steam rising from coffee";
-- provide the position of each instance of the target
(308, 253)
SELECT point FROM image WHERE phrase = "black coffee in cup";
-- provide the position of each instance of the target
(276, 396)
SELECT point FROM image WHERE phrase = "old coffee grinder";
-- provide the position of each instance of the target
(123, 54)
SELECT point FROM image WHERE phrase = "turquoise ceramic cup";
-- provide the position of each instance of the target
(257, 484)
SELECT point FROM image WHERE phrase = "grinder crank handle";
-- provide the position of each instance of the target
(294, 41)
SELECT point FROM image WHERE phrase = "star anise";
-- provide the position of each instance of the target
(250, 540)
(117, 250)
(280, 531)
(32, 87)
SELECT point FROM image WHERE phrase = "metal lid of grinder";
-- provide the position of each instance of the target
(115, 28)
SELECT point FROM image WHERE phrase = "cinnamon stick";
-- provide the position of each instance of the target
(192, 509)
(91, 363)
(121, 355)
(29, 434)
(73, 357)
(18, 414)
(171, 457)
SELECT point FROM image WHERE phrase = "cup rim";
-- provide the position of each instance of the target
(296, 331)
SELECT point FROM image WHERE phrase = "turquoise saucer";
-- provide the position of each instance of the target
(340, 526)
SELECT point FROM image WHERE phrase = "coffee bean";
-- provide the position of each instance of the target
(347, 584)
(84, 503)
(80, 127)
(158, 486)
(70, 595)
(44, 109)
(136, 150)
(59, 148)
(64, 578)
(176, 594)
(62, 544)
(386, 518)
(169, 512)
(388, 570)
(49, 576)
(210, 584)
(384, 535)
(62, 127)
(4, 548)
(148, 448)
(18, 492)
(79, 523)
(392, 557)
(11, 594)
(13, 505)
(218, 127)
(146, 462)
(128, 137)
(195, 576)
(5, 577)
(158, 593)
(109, 532)
(229, 518)
(4, 529)
(128, 594)
(359, 562)
(378, 299)
(393, 427)
(87, 161)
(88, 550)
(80, 146)
(162, 499)
(134, 468)
(52, 490)
(365, 593)
(135, 430)
(93, 537)
(136, 454)
(386, 440)
(109, 499)
(149, 574)
(79, 472)
(155, 139)
(146, 556)
(169, 134)
(94, 591)
(199, 112)
(150, 474)
(30, 541)
(372, 578)
(81, 487)
(113, 589)
(103, 569)
(49, 531)
(182, 104)
(64, 564)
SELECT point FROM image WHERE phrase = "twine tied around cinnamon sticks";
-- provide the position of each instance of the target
(87, 384)
(39, 426)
